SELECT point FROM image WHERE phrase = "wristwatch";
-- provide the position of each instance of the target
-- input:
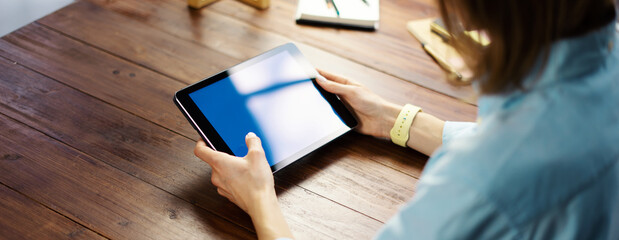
(401, 128)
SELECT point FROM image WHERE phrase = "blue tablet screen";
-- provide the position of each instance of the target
(276, 100)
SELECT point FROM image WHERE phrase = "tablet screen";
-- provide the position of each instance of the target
(276, 99)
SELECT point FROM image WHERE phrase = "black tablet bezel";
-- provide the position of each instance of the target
(208, 133)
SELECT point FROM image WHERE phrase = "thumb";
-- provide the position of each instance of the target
(254, 145)
(333, 87)
(207, 154)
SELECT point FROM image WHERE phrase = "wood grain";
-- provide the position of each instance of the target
(91, 86)
(385, 85)
(65, 22)
(155, 155)
(23, 218)
(368, 202)
(111, 79)
(90, 192)
(185, 61)
(390, 50)
(403, 161)
(208, 27)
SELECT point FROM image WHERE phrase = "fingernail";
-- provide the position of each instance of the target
(320, 78)
(251, 134)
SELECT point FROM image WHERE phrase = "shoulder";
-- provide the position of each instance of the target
(535, 151)
(544, 161)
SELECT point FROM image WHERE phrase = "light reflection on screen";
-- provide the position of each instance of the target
(274, 99)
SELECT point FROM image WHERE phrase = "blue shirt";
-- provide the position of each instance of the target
(541, 164)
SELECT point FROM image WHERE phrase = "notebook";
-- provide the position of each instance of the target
(359, 14)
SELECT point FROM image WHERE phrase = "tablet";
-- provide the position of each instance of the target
(274, 95)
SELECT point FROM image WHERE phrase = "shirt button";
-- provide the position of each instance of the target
(610, 45)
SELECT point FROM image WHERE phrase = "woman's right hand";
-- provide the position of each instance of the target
(376, 115)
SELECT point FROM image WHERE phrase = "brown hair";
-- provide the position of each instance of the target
(520, 31)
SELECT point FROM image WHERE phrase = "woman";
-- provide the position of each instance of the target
(541, 163)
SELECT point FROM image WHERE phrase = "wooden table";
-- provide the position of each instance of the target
(92, 146)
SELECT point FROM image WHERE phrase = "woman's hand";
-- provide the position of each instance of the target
(376, 115)
(248, 183)
(241, 180)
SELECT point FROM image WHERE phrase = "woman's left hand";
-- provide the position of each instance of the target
(244, 181)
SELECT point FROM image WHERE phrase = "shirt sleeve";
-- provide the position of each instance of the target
(442, 209)
(454, 129)
(446, 206)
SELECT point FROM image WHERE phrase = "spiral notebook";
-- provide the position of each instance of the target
(358, 14)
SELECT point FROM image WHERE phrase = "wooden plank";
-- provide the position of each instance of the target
(385, 85)
(78, 20)
(142, 45)
(114, 81)
(391, 49)
(117, 138)
(99, 196)
(243, 41)
(370, 202)
(156, 155)
(59, 68)
(355, 178)
(23, 218)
